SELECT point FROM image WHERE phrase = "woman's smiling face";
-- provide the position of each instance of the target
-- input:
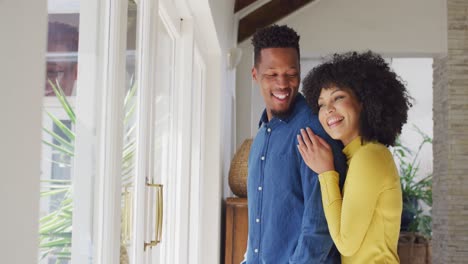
(339, 113)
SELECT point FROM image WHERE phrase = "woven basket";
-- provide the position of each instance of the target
(238, 170)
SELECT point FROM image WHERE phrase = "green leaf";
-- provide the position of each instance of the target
(63, 100)
(61, 242)
(53, 192)
(60, 163)
(59, 148)
(60, 139)
(62, 127)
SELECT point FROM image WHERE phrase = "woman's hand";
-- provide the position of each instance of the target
(316, 153)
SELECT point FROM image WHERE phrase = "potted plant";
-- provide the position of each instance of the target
(416, 230)
(55, 231)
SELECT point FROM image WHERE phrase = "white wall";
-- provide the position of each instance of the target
(223, 15)
(395, 28)
(22, 66)
(215, 21)
(398, 28)
(417, 73)
(244, 87)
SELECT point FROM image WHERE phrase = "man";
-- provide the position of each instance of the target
(286, 219)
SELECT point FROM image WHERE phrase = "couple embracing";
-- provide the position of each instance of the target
(322, 185)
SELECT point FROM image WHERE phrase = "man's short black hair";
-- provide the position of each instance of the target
(385, 100)
(274, 36)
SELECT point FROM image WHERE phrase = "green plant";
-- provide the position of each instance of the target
(55, 231)
(415, 191)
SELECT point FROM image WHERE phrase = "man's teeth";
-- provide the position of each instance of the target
(334, 120)
(281, 96)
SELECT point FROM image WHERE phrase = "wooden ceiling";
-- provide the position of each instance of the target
(265, 15)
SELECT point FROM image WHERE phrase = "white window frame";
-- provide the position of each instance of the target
(147, 26)
(100, 93)
(197, 157)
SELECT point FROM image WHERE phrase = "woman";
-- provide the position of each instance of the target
(362, 103)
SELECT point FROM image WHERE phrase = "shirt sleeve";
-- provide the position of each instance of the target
(350, 215)
(315, 243)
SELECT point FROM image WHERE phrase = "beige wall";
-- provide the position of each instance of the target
(22, 66)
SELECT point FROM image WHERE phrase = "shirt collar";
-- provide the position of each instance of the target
(298, 102)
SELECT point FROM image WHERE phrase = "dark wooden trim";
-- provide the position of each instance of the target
(267, 15)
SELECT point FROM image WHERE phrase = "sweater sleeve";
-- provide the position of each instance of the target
(350, 215)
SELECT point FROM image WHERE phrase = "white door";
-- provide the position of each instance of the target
(164, 155)
(162, 205)
(149, 195)
(176, 147)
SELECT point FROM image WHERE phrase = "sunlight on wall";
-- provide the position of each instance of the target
(417, 73)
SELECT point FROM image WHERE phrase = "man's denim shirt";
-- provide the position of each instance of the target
(286, 219)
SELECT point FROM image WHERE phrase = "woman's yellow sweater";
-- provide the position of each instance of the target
(365, 222)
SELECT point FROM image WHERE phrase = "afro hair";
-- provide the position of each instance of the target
(274, 36)
(381, 92)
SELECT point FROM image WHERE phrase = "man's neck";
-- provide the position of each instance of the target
(282, 115)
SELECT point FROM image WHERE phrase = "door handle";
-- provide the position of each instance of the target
(159, 214)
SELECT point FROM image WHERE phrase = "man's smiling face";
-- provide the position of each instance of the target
(278, 75)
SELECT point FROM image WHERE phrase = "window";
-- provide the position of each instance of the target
(56, 206)
(117, 122)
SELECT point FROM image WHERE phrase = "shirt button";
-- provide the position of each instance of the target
(257, 220)
(256, 250)
(262, 158)
(260, 188)
(269, 130)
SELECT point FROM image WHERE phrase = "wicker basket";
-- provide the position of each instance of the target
(238, 170)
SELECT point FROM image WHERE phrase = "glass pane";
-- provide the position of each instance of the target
(162, 133)
(129, 143)
(62, 48)
(163, 101)
(56, 204)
